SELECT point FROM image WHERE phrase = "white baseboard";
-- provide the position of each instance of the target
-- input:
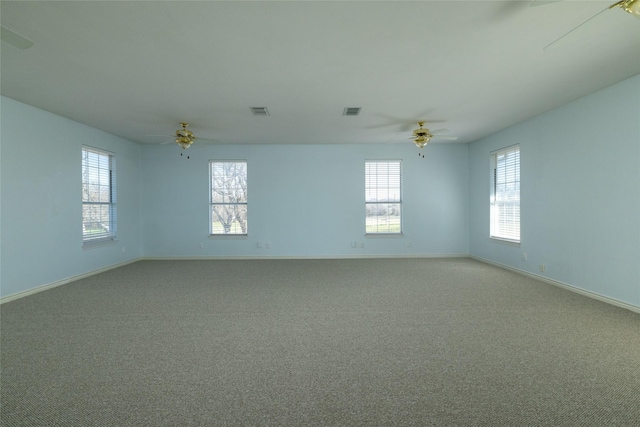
(362, 256)
(57, 283)
(563, 285)
(566, 286)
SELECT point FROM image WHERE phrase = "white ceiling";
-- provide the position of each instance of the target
(475, 67)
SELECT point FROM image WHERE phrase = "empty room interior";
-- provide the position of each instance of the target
(320, 213)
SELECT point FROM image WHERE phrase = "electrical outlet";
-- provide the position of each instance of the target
(524, 256)
(201, 245)
(354, 244)
(124, 249)
(268, 246)
(362, 244)
(259, 245)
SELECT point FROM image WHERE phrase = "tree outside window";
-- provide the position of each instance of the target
(228, 211)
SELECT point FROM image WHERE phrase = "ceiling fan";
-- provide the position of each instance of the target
(629, 6)
(183, 137)
(422, 135)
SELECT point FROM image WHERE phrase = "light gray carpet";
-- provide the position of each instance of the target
(374, 342)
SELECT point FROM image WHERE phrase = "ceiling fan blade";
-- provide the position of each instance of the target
(156, 143)
(14, 38)
(409, 126)
(437, 131)
(447, 138)
(405, 125)
(172, 139)
(390, 121)
(207, 141)
(554, 43)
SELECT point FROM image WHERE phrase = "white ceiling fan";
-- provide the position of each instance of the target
(630, 6)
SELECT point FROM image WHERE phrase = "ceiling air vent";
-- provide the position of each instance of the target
(351, 111)
(259, 111)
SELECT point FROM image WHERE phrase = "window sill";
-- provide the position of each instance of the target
(228, 236)
(383, 235)
(98, 244)
(507, 242)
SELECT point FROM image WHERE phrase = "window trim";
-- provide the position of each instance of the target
(399, 201)
(510, 240)
(213, 235)
(111, 236)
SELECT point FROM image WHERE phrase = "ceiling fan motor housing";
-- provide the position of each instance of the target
(422, 132)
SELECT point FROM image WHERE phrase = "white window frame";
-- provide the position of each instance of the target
(99, 214)
(504, 213)
(229, 193)
(383, 192)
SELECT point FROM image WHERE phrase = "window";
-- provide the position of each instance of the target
(383, 202)
(98, 196)
(505, 194)
(228, 212)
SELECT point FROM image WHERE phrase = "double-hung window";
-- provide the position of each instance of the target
(98, 195)
(383, 197)
(505, 194)
(228, 197)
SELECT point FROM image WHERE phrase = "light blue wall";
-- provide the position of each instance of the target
(580, 192)
(580, 198)
(306, 201)
(41, 208)
(299, 200)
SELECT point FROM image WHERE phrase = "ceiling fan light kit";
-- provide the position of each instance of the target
(421, 141)
(184, 143)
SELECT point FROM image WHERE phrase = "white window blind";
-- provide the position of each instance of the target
(383, 196)
(228, 197)
(98, 195)
(505, 194)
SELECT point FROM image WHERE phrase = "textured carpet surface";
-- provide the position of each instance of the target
(375, 342)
